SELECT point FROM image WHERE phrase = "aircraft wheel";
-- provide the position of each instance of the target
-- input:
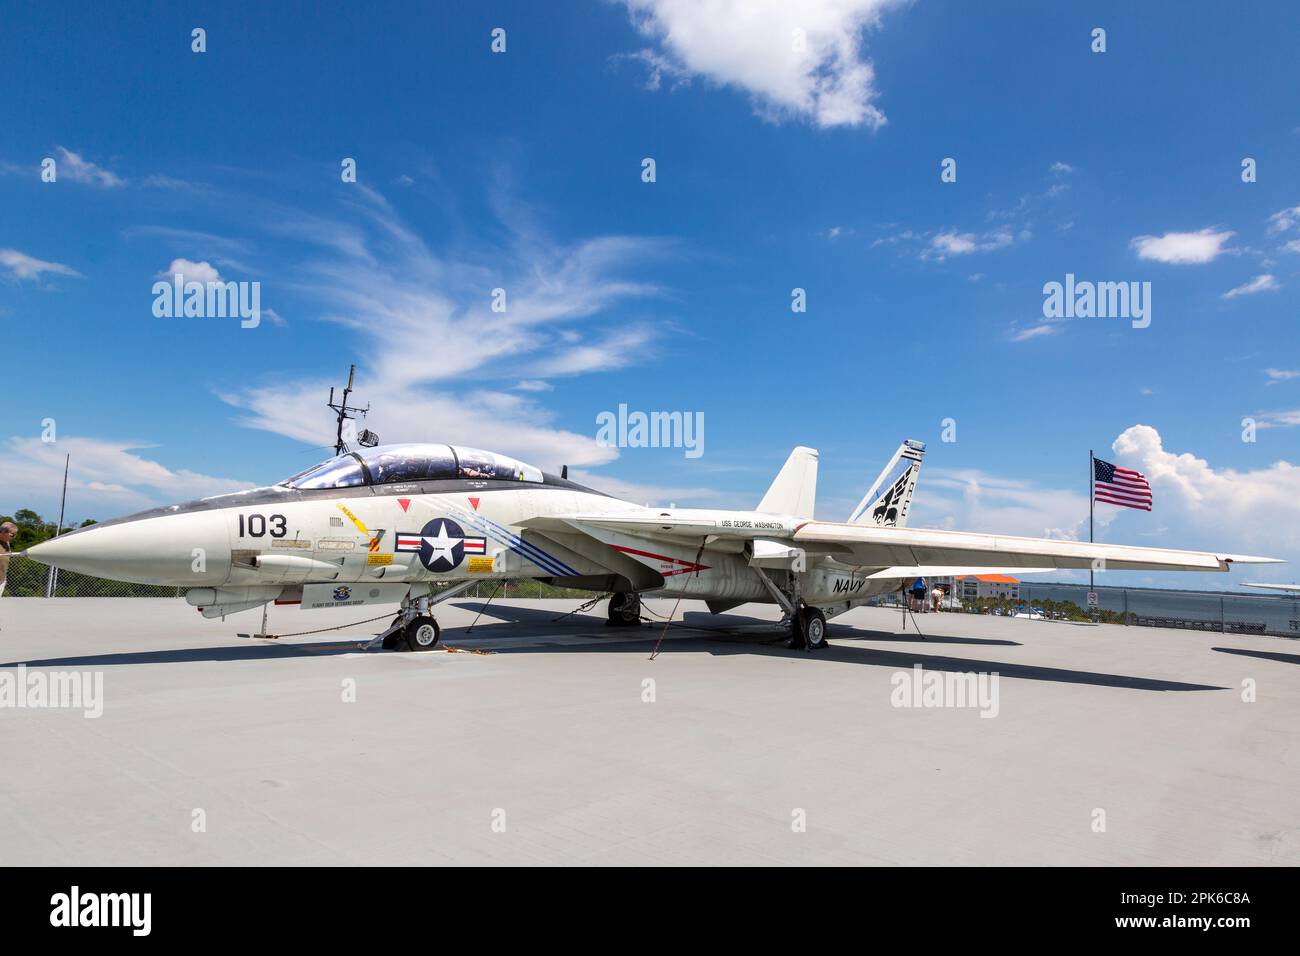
(813, 623)
(394, 640)
(422, 634)
(624, 609)
(796, 629)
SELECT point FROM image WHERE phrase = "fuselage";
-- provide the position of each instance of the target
(324, 546)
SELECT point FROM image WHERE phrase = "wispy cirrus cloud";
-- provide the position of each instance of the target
(1283, 220)
(76, 168)
(442, 363)
(1262, 283)
(23, 266)
(1036, 331)
(1277, 375)
(1280, 419)
(970, 499)
(106, 475)
(950, 242)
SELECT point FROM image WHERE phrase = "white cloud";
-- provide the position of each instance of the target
(1197, 507)
(24, 266)
(1036, 331)
(1282, 419)
(954, 243)
(754, 45)
(1264, 283)
(1248, 512)
(968, 499)
(436, 353)
(1276, 375)
(1182, 248)
(72, 167)
(534, 385)
(1062, 168)
(103, 475)
(1283, 220)
(191, 271)
(642, 494)
(1292, 246)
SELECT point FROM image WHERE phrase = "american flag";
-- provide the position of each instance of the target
(1113, 485)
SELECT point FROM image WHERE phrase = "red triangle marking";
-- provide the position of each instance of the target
(474, 503)
(404, 502)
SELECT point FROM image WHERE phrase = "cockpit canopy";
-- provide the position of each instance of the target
(386, 464)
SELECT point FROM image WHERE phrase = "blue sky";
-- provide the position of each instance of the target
(522, 170)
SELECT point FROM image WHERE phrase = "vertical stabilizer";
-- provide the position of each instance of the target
(890, 498)
(794, 492)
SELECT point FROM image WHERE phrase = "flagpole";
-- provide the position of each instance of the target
(1092, 475)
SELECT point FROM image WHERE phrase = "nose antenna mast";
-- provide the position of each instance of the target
(365, 438)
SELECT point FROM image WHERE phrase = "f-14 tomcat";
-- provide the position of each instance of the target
(396, 524)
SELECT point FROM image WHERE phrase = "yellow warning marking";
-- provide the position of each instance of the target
(379, 560)
(353, 518)
(480, 565)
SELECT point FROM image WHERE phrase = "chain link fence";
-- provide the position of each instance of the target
(28, 578)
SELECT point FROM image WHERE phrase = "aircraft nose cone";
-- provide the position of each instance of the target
(182, 549)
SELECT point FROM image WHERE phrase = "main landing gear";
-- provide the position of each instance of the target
(414, 628)
(624, 609)
(808, 628)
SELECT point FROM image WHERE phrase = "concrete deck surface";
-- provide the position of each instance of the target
(550, 735)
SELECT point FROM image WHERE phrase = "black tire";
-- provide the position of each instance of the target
(797, 641)
(624, 609)
(422, 634)
(813, 625)
(394, 640)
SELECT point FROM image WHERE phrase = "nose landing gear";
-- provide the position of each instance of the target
(421, 633)
(414, 627)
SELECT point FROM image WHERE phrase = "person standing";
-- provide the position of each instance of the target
(918, 596)
(8, 531)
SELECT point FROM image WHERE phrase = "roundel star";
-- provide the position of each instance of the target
(441, 546)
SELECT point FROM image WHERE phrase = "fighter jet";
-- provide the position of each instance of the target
(398, 524)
